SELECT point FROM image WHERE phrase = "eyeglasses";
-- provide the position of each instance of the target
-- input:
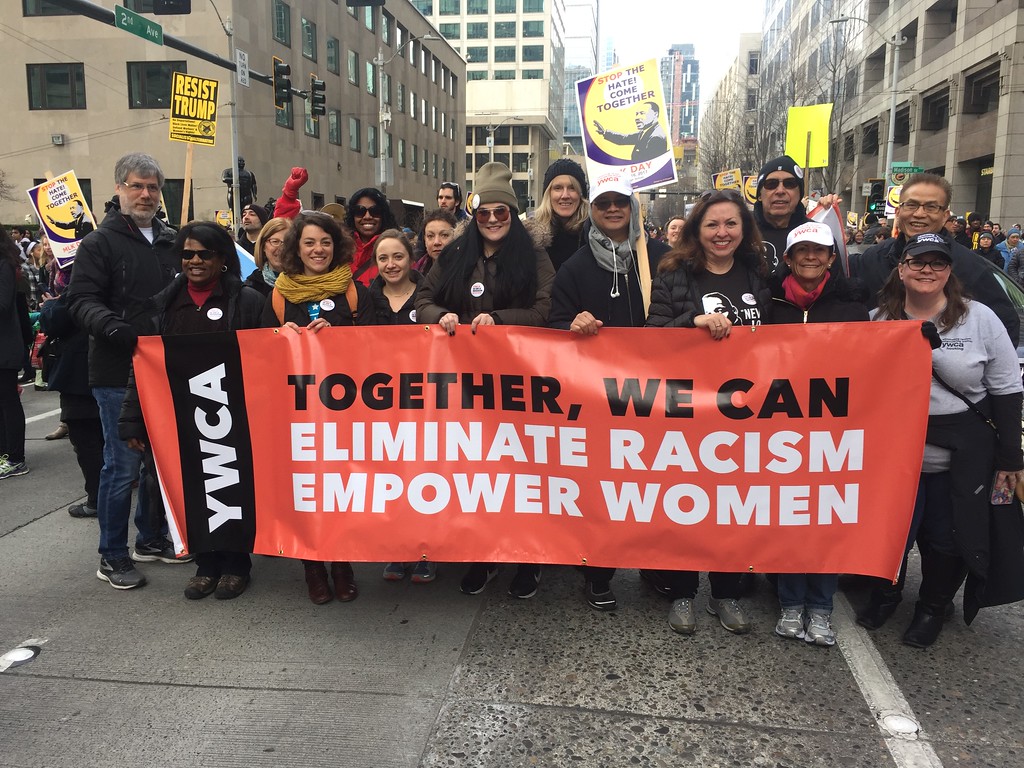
(205, 255)
(483, 215)
(788, 183)
(134, 186)
(918, 265)
(912, 205)
(374, 210)
(604, 203)
(276, 242)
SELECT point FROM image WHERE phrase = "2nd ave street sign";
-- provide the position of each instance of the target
(132, 22)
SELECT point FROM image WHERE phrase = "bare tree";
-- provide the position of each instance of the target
(7, 191)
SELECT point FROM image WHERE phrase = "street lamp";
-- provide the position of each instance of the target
(490, 133)
(384, 110)
(897, 40)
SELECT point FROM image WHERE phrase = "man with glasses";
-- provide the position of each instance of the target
(923, 208)
(779, 208)
(449, 197)
(118, 267)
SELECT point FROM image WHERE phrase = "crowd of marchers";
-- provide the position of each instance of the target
(578, 264)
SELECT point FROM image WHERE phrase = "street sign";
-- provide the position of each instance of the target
(138, 25)
(865, 189)
(193, 109)
(242, 67)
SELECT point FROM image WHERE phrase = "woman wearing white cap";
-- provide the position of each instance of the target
(811, 288)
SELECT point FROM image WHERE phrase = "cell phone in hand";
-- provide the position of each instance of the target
(1000, 493)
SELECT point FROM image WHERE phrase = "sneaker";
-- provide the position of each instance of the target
(161, 550)
(682, 617)
(10, 468)
(82, 510)
(730, 614)
(600, 596)
(424, 572)
(656, 581)
(120, 573)
(477, 578)
(791, 623)
(394, 571)
(199, 587)
(524, 583)
(819, 629)
(27, 376)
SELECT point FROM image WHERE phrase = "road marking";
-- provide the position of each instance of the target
(41, 416)
(883, 696)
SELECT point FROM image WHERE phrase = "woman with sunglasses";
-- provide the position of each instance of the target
(977, 364)
(493, 273)
(715, 280)
(267, 253)
(208, 296)
(560, 219)
(316, 290)
(368, 215)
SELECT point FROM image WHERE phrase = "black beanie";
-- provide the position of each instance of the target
(784, 163)
(563, 166)
(259, 210)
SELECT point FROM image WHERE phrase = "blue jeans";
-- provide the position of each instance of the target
(813, 591)
(120, 469)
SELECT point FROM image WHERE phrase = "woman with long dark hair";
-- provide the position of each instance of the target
(967, 466)
(715, 280)
(12, 353)
(367, 215)
(492, 274)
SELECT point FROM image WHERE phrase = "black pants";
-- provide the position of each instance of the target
(217, 564)
(86, 437)
(724, 586)
(12, 418)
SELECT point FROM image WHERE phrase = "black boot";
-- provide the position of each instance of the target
(941, 577)
(885, 598)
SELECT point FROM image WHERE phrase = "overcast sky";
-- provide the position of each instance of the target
(644, 29)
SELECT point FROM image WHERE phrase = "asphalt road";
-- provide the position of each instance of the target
(421, 675)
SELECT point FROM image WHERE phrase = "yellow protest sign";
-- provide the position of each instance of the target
(193, 109)
(750, 189)
(807, 135)
(729, 179)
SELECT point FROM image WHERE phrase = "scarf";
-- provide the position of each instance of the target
(269, 275)
(299, 289)
(797, 295)
(616, 258)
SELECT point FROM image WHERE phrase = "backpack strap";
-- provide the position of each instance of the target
(277, 301)
(353, 300)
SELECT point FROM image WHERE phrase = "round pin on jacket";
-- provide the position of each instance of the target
(215, 313)
(327, 305)
(476, 290)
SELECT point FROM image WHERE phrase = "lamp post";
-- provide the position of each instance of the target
(229, 30)
(491, 128)
(384, 110)
(896, 41)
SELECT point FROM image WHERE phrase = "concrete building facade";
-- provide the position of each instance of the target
(95, 92)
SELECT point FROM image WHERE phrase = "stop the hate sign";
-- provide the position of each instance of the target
(193, 109)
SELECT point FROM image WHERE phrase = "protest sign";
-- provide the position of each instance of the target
(193, 109)
(730, 179)
(780, 449)
(807, 131)
(63, 214)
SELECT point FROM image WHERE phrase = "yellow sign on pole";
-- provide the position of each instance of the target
(729, 179)
(193, 109)
(750, 189)
(807, 135)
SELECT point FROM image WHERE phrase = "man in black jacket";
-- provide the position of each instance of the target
(117, 268)
(924, 207)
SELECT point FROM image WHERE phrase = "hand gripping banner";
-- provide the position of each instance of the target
(780, 449)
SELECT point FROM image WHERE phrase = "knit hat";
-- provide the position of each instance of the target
(260, 211)
(784, 163)
(563, 166)
(493, 184)
(985, 235)
(1013, 231)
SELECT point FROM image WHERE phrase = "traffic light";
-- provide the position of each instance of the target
(172, 7)
(876, 200)
(361, 3)
(282, 84)
(317, 97)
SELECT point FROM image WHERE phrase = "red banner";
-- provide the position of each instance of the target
(780, 449)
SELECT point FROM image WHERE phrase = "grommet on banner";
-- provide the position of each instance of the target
(750, 568)
(753, 328)
(423, 557)
(583, 561)
(277, 330)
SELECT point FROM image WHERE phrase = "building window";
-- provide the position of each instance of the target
(477, 30)
(477, 7)
(282, 22)
(754, 63)
(477, 75)
(149, 83)
(433, 119)
(433, 163)
(312, 126)
(504, 6)
(533, 53)
(413, 156)
(935, 111)
(285, 117)
(476, 54)
(56, 86)
(504, 29)
(43, 8)
(386, 92)
(353, 67)
(371, 140)
(450, 31)
(333, 55)
(869, 139)
(334, 127)
(533, 29)
(751, 99)
(371, 78)
(400, 97)
(450, 7)
(533, 6)
(520, 135)
(369, 18)
(412, 104)
(386, 22)
(423, 111)
(354, 134)
(533, 74)
(401, 153)
(309, 39)
(520, 162)
(504, 54)
(504, 74)
(981, 91)
(425, 7)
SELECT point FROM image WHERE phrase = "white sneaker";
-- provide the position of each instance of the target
(791, 623)
(819, 629)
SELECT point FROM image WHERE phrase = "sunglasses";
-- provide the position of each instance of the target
(483, 215)
(205, 255)
(789, 183)
(374, 210)
(604, 203)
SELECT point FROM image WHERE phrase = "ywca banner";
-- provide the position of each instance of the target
(779, 449)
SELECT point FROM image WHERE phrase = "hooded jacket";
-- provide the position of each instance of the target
(775, 237)
(841, 301)
(116, 271)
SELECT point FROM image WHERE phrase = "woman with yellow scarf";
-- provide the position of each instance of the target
(314, 291)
